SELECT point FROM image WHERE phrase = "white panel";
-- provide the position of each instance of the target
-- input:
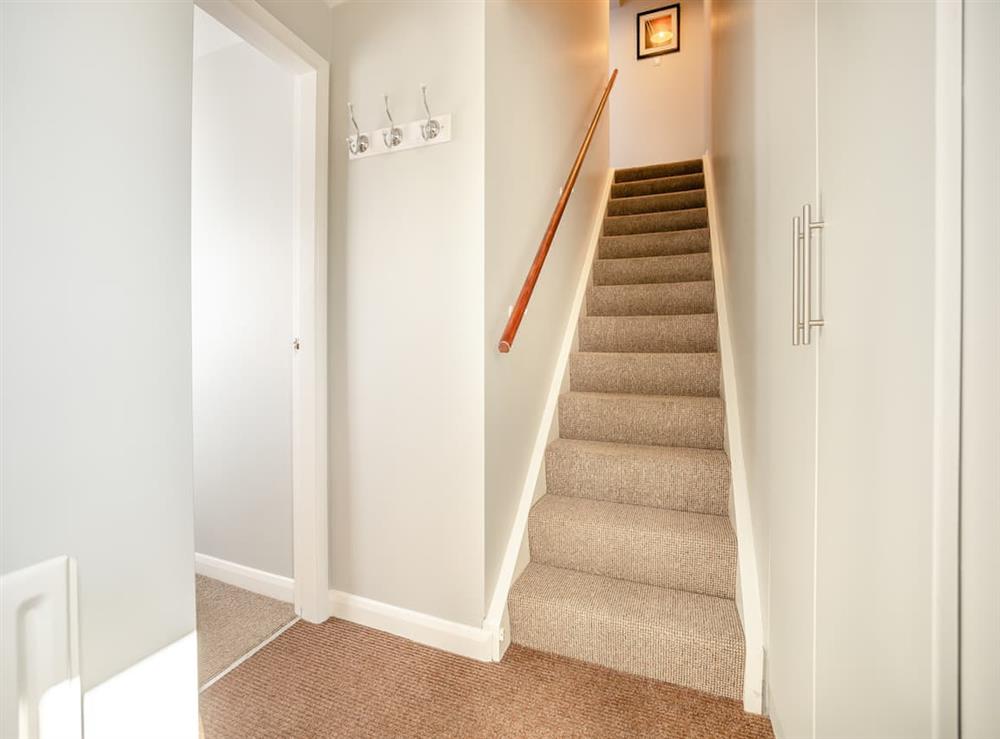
(156, 698)
(39, 652)
(980, 663)
(96, 323)
(876, 402)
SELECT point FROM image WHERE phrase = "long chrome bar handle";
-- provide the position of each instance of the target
(796, 280)
(808, 226)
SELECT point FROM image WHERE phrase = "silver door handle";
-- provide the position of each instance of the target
(808, 226)
(796, 281)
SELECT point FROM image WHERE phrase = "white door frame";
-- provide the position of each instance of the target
(310, 527)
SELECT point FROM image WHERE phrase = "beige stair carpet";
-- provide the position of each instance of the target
(232, 622)
(633, 558)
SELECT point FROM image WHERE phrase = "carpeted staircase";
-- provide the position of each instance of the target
(633, 559)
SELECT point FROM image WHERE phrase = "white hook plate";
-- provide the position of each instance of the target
(412, 139)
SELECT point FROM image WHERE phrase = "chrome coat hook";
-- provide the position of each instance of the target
(430, 128)
(358, 143)
(394, 136)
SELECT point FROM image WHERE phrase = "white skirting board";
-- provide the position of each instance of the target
(274, 586)
(495, 622)
(449, 636)
(747, 582)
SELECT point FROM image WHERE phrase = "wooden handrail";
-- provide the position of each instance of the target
(510, 330)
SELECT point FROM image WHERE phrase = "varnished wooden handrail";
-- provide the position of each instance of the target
(510, 330)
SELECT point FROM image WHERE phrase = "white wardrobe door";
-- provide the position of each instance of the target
(980, 656)
(782, 445)
(876, 164)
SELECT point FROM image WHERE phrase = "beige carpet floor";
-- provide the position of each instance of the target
(338, 679)
(231, 622)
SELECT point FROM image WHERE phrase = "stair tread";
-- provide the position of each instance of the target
(657, 203)
(696, 332)
(652, 299)
(679, 478)
(656, 185)
(686, 638)
(653, 270)
(648, 373)
(694, 240)
(668, 609)
(658, 171)
(667, 420)
(684, 219)
(694, 552)
(645, 397)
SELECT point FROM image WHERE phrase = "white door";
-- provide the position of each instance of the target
(980, 542)
(876, 77)
(785, 441)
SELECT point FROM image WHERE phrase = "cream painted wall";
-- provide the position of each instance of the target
(658, 106)
(406, 282)
(242, 232)
(96, 328)
(539, 104)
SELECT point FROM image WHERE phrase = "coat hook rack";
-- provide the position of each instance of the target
(394, 136)
(431, 128)
(359, 142)
(427, 131)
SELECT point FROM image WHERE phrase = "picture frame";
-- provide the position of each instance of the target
(658, 31)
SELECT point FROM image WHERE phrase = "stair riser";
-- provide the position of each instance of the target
(682, 268)
(691, 662)
(680, 298)
(686, 422)
(658, 186)
(692, 561)
(646, 374)
(654, 222)
(696, 333)
(667, 243)
(658, 171)
(694, 480)
(657, 203)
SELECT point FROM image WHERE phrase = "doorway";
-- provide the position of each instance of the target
(259, 132)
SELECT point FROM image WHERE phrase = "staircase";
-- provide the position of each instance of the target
(633, 559)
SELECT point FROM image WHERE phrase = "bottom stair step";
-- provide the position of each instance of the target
(683, 638)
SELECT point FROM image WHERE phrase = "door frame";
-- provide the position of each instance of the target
(311, 73)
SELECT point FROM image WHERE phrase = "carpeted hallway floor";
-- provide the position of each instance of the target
(343, 680)
(231, 622)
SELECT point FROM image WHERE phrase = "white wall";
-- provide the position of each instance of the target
(406, 325)
(658, 105)
(242, 232)
(539, 103)
(96, 336)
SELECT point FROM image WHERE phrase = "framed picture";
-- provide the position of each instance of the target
(658, 31)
